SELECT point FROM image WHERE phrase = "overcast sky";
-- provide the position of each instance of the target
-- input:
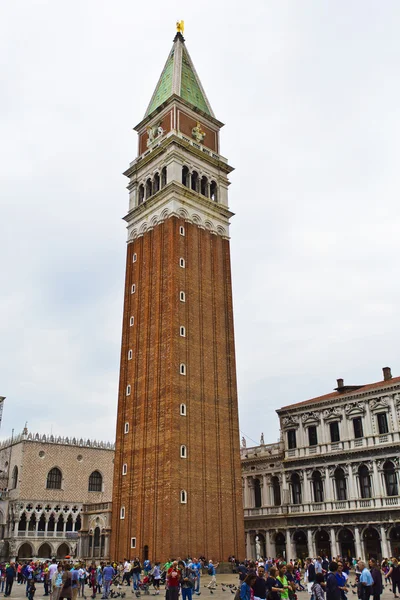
(309, 92)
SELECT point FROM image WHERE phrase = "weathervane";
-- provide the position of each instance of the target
(180, 26)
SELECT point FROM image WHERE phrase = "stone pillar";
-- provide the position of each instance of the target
(306, 483)
(246, 493)
(310, 544)
(384, 542)
(334, 550)
(359, 550)
(328, 487)
(377, 487)
(266, 496)
(268, 545)
(37, 527)
(367, 422)
(353, 493)
(248, 545)
(289, 548)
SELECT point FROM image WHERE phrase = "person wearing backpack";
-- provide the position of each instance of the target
(211, 570)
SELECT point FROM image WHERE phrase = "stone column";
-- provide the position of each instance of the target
(306, 484)
(289, 548)
(377, 487)
(266, 492)
(46, 526)
(310, 544)
(384, 542)
(246, 493)
(353, 493)
(367, 422)
(37, 527)
(328, 486)
(334, 550)
(359, 550)
(248, 545)
(268, 545)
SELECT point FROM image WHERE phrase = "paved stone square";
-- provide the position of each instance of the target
(18, 591)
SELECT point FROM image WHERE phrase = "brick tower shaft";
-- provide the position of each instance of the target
(177, 477)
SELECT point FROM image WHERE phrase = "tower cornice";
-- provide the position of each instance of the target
(176, 200)
(172, 141)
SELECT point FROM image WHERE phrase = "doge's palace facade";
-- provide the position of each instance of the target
(331, 485)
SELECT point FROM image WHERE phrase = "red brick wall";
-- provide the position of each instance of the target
(166, 125)
(211, 523)
(187, 123)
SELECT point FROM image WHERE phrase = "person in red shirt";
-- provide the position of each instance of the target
(173, 581)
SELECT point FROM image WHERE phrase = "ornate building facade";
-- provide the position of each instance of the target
(331, 485)
(177, 441)
(55, 496)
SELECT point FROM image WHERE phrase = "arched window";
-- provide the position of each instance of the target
(195, 181)
(340, 484)
(156, 183)
(185, 176)
(182, 369)
(54, 479)
(389, 474)
(213, 191)
(318, 488)
(276, 489)
(204, 186)
(95, 482)
(163, 177)
(183, 452)
(257, 493)
(296, 488)
(149, 188)
(14, 481)
(183, 497)
(365, 482)
(96, 537)
(141, 194)
(78, 523)
(183, 410)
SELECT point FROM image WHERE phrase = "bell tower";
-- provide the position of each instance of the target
(177, 476)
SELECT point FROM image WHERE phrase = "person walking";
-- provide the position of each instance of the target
(196, 566)
(108, 574)
(156, 578)
(365, 581)
(10, 576)
(260, 585)
(56, 582)
(394, 575)
(317, 589)
(187, 582)
(376, 573)
(246, 587)
(332, 587)
(282, 581)
(172, 582)
(272, 584)
(136, 570)
(212, 570)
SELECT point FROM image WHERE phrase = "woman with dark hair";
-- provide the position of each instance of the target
(317, 589)
(245, 588)
(273, 585)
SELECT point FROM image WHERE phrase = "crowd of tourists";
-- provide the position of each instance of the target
(272, 579)
(265, 579)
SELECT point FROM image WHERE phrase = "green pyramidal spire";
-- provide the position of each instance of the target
(179, 77)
